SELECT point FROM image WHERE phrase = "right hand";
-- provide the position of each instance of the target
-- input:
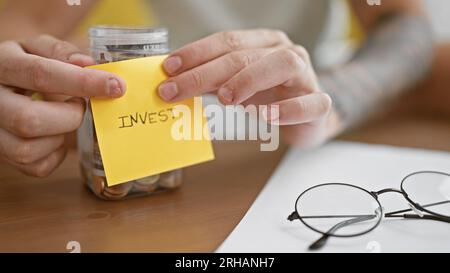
(32, 133)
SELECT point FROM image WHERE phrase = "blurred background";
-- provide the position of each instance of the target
(340, 38)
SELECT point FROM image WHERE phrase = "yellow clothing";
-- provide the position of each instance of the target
(114, 12)
(117, 12)
(355, 32)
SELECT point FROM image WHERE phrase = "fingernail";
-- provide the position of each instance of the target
(114, 88)
(172, 64)
(271, 115)
(225, 95)
(168, 91)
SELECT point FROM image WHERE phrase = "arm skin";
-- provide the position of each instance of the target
(395, 57)
(21, 19)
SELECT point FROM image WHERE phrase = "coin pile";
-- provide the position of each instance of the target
(110, 44)
(148, 184)
(144, 186)
(171, 180)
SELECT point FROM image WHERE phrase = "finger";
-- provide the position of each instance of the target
(298, 86)
(308, 84)
(26, 118)
(37, 73)
(275, 94)
(45, 166)
(219, 44)
(209, 76)
(52, 48)
(26, 151)
(275, 69)
(299, 110)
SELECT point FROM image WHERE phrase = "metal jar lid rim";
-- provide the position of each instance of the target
(111, 35)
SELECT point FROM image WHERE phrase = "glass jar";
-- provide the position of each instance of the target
(111, 44)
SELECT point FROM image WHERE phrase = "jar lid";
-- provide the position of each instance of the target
(114, 35)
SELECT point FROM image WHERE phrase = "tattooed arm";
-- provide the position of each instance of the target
(395, 56)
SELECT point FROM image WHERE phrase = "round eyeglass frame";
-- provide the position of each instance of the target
(417, 205)
(374, 195)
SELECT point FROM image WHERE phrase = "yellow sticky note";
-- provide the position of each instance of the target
(134, 132)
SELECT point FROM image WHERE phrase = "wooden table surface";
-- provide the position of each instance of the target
(42, 215)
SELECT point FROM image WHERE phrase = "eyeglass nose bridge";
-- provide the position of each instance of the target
(378, 193)
(414, 207)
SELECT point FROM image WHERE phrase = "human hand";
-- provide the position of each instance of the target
(261, 67)
(32, 133)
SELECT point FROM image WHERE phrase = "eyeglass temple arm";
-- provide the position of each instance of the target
(425, 217)
(323, 239)
(389, 214)
(293, 216)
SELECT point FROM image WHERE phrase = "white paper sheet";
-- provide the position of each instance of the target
(266, 229)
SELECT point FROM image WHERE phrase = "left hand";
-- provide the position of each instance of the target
(261, 67)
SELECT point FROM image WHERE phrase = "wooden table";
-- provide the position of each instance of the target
(44, 215)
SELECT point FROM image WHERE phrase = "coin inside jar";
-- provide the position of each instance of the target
(147, 184)
(111, 44)
(118, 191)
(98, 184)
(170, 180)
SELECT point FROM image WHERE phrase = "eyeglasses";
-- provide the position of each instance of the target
(344, 210)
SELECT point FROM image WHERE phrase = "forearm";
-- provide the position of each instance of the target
(23, 18)
(395, 57)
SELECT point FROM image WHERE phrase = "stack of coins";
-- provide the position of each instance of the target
(171, 180)
(110, 44)
(98, 185)
(147, 184)
(117, 192)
